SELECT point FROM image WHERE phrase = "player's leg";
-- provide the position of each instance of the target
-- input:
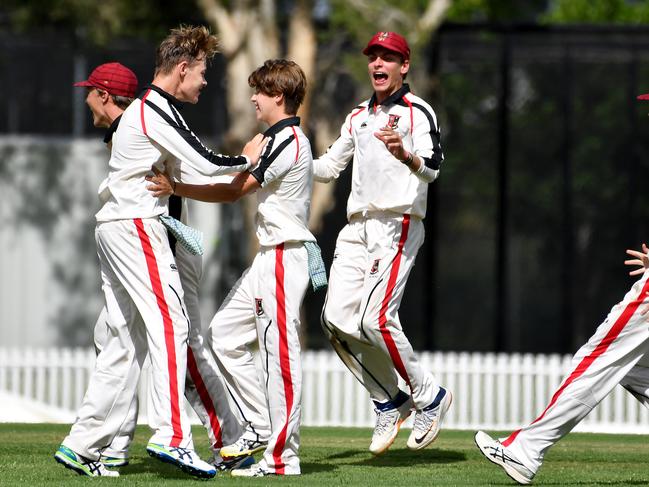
(145, 266)
(597, 367)
(112, 386)
(233, 340)
(341, 315)
(637, 380)
(393, 243)
(282, 288)
(116, 454)
(204, 386)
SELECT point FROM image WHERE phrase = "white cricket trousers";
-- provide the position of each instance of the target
(143, 293)
(263, 308)
(372, 261)
(204, 388)
(615, 354)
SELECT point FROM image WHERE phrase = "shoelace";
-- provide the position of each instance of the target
(384, 420)
(182, 453)
(423, 420)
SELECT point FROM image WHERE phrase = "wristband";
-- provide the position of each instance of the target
(409, 159)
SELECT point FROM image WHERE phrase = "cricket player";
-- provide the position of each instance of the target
(263, 307)
(617, 353)
(139, 273)
(394, 141)
(111, 88)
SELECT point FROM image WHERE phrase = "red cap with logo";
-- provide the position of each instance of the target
(115, 78)
(391, 41)
(643, 97)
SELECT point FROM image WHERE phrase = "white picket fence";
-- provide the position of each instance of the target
(491, 391)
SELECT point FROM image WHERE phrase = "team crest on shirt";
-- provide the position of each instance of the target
(375, 267)
(393, 121)
(259, 309)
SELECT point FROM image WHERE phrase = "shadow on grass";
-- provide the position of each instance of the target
(399, 457)
(154, 467)
(311, 467)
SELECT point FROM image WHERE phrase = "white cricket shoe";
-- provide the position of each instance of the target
(243, 447)
(428, 421)
(82, 465)
(387, 426)
(500, 455)
(228, 464)
(185, 459)
(255, 470)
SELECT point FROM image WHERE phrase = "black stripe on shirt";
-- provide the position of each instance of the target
(435, 161)
(192, 140)
(266, 160)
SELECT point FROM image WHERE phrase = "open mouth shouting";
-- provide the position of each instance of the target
(380, 77)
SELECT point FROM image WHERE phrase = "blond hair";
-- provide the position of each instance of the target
(185, 43)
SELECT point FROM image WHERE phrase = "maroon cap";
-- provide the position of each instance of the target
(115, 78)
(391, 41)
(643, 97)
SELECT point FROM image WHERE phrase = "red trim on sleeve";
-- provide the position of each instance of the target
(297, 141)
(412, 124)
(142, 111)
(353, 115)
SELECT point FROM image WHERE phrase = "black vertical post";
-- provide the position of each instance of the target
(633, 169)
(567, 221)
(501, 325)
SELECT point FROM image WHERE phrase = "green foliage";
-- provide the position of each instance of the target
(339, 456)
(598, 12)
(101, 21)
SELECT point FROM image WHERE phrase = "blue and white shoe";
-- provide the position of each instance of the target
(82, 465)
(496, 453)
(254, 470)
(389, 418)
(428, 421)
(185, 459)
(225, 465)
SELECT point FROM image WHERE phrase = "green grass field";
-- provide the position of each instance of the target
(339, 456)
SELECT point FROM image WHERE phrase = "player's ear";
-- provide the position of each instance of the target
(103, 95)
(279, 99)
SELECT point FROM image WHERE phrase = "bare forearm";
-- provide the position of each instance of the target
(211, 193)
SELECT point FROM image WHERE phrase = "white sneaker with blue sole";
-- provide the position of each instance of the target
(185, 459)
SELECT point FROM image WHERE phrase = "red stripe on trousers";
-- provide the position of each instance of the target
(284, 361)
(170, 342)
(142, 111)
(205, 398)
(601, 347)
(394, 273)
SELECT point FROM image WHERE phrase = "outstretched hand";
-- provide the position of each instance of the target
(254, 147)
(393, 142)
(163, 184)
(642, 262)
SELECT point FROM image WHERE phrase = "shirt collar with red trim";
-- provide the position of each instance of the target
(392, 99)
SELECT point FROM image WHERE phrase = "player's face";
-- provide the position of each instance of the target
(96, 104)
(386, 70)
(193, 81)
(265, 107)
